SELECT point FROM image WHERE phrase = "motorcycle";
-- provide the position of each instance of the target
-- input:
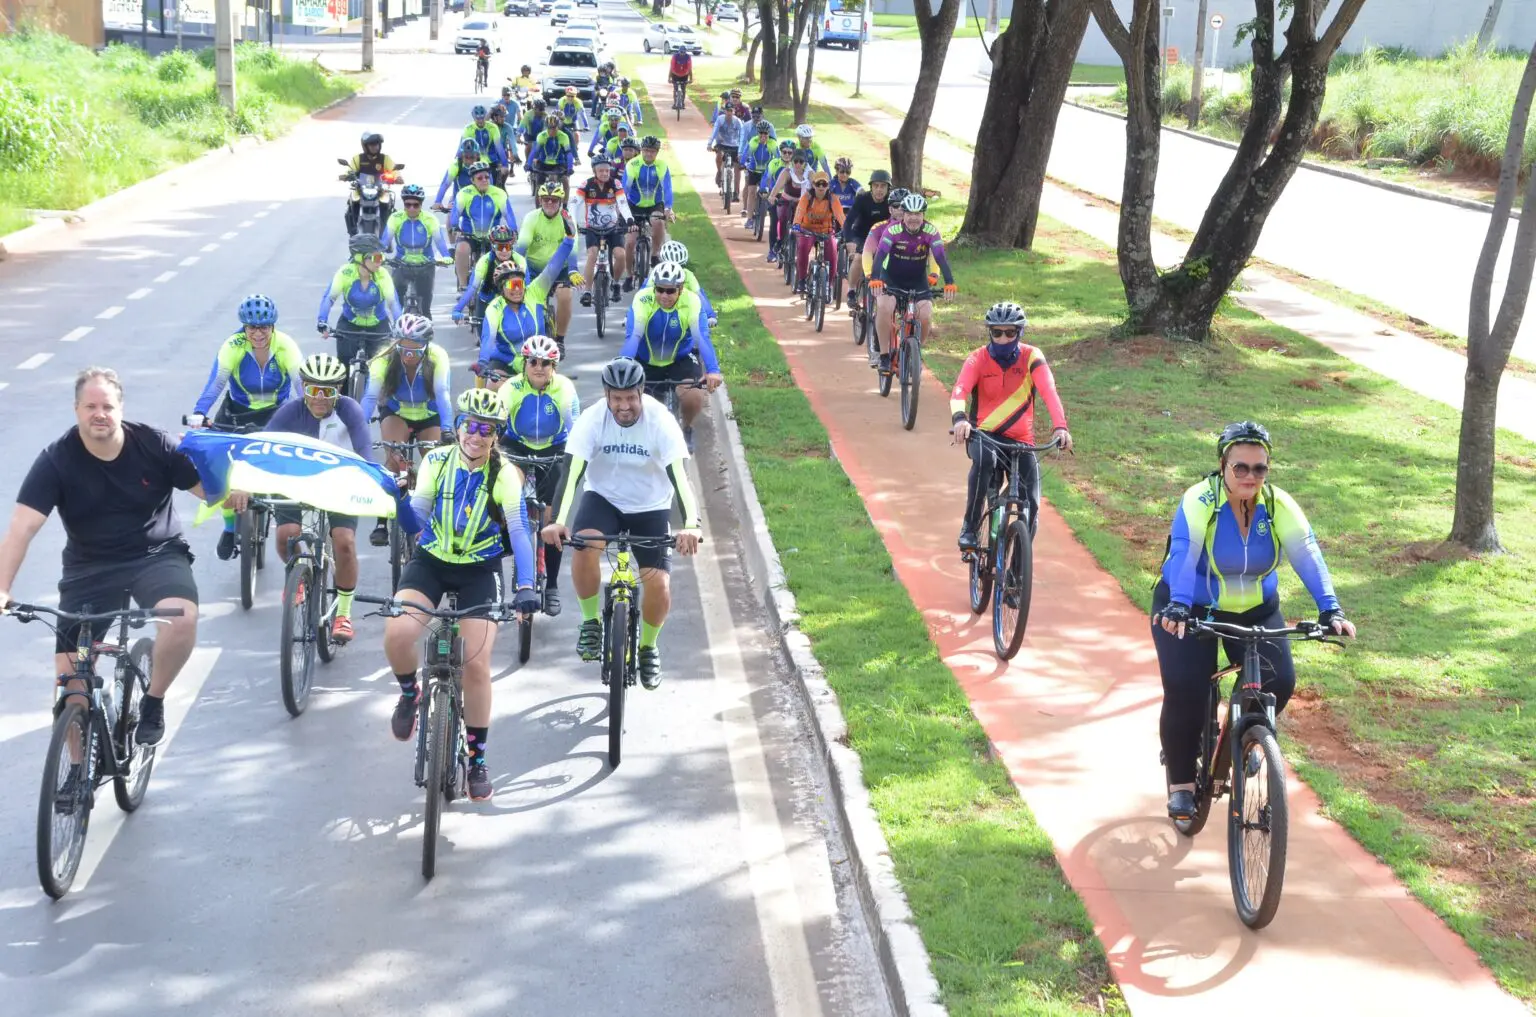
(376, 201)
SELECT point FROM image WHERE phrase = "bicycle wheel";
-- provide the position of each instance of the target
(129, 786)
(1014, 576)
(325, 603)
(439, 714)
(398, 553)
(981, 579)
(64, 812)
(600, 302)
(245, 525)
(886, 377)
(615, 667)
(819, 284)
(262, 526)
(911, 377)
(757, 227)
(860, 320)
(296, 661)
(787, 260)
(1257, 825)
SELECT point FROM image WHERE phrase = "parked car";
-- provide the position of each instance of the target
(476, 31)
(728, 13)
(569, 65)
(561, 12)
(845, 28)
(520, 8)
(670, 36)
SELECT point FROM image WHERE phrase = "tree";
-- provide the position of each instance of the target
(1489, 342)
(781, 38)
(802, 93)
(1181, 302)
(1490, 22)
(1031, 65)
(934, 33)
(1197, 83)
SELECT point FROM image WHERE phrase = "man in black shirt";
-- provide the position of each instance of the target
(870, 206)
(112, 483)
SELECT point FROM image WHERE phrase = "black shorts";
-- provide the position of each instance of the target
(477, 584)
(293, 515)
(685, 368)
(754, 177)
(163, 574)
(230, 415)
(350, 335)
(643, 214)
(414, 427)
(594, 237)
(594, 512)
(546, 478)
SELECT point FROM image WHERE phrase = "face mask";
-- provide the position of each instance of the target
(1005, 353)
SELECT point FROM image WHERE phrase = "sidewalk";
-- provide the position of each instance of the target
(1074, 718)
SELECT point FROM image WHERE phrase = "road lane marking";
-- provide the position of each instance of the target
(140, 293)
(232, 234)
(4, 385)
(166, 276)
(76, 334)
(208, 247)
(35, 361)
(262, 214)
(275, 204)
(780, 921)
(109, 313)
(248, 222)
(189, 261)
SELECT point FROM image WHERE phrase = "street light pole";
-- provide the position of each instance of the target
(224, 52)
(858, 72)
(368, 9)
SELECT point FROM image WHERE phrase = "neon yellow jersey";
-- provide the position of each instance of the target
(412, 398)
(461, 528)
(542, 236)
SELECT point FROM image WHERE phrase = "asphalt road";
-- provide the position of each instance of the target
(274, 867)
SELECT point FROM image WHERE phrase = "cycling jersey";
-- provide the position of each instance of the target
(345, 427)
(656, 336)
(691, 281)
(455, 180)
(602, 136)
(252, 386)
(648, 181)
(573, 113)
(540, 418)
(462, 526)
(1210, 564)
(487, 139)
(600, 206)
(482, 278)
(682, 64)
(756, 155)
(902, 256)
(411, 240)
(845, 193)
(543, 236)
(553, 152)
(814, 155)
(863, 215)
(1001, 400)
(507, 325)
(632, 111)
(771, 174)
(410, 399)
(476, 211)
(360, 302)
(728, 132)
(818, 216)
(614, 150)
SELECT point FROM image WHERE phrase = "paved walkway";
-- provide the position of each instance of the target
(1074, 717)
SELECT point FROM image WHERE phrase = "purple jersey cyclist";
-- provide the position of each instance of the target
(901, 261)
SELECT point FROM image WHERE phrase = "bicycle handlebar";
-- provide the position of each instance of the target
(136, 617)
(390, 607)
(415, 444)
(1303, 630)
(984, 438)
(623, 540)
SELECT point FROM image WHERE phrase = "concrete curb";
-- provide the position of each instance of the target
(1333, 171)
(904, 962)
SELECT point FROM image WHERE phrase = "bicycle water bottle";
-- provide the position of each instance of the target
(997, 522)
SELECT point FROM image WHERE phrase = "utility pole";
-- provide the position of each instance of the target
(437, 17)
(224, 52)
(1197, 83)
(368, 9)
(1490, 21)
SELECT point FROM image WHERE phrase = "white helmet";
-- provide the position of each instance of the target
(412, 327)
(667, 273)
(540, 347)
(805, 131)
(673, 251)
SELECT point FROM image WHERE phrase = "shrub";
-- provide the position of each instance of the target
(175, 66)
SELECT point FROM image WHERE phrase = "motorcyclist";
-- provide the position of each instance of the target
(373, 161)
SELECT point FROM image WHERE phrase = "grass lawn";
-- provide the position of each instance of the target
(1006, 934)
(1420, 739)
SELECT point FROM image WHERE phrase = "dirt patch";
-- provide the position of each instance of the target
(1310, 384)
(1519, 462)
(1259, 341)
(1422, 551)
(1126, 352)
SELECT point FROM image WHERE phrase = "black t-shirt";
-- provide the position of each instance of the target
(112, 511)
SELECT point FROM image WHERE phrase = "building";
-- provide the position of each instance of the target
(80, 20)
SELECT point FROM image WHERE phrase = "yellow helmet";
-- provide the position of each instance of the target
(483, 403)
(552, 189)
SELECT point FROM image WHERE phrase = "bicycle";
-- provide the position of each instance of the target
(401, 548)
(93, 736)
(621, 626)
(840, 281)
(860, 317)
(1005, 552)
(407, 283)
(764, 211)
(906, 359)
(1258, 821)
(786, 244)
(442, 753)
(309, 606)
(482, 71)
(531, 465)
(728, 179)
(641, 270)
(679, 97)
(357, 368)
(252, 524)
(602, 278)
(818, 287)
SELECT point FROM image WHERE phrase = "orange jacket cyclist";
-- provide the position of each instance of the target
(995, 393)
(819, 219)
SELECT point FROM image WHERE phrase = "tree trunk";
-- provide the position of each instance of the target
(1488, 345)
(657, 8)
(1197, 83)
(773, 20)
(750, 75)
(797, 99)
(1031, 65)
(803, 100)
(935, 30)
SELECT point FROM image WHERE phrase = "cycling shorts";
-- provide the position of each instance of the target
(546, 478)
(478, 584)
(597, 513)
(593, 237)
(292, 515)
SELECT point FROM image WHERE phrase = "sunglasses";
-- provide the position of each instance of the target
(483, 428)
(258, 330)
(1005, 333)
(531, 362)
(411, 204)
(482, 178)
(321, 391)
(669, 290)
(411, 351)
(820, 183)
(1242, 471)
(495, 377)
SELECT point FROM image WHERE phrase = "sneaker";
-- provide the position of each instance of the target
(629, 285)
(773, 256)
(589, 640)
(479, 782)
(751, 224)
(403, 721)
(1181, 805)
(151, 726)
(68, 794)
(341, 630)
(967, 539)
(885, 363)
(380, 535)
(650, 667)
(551, 601)
(586, 299)
(226, 549)
(613, 294)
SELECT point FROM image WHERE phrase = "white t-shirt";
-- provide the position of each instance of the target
(334, 430)
(628, 465)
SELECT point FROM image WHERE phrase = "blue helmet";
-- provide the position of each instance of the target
(468, 148)
(478, 112)
(258, 310)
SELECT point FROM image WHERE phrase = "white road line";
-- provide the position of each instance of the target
(140, 293)
(5, 384)
(76, 334)
(275, 204)
(107, 821)
(248, 222)
(762, 838)
(189, 261)
(109, 313)
(262, 214)
(166, 276)
(208, 247)
(228, 236)
(35, 361)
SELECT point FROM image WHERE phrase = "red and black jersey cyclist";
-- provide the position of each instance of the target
(680, 71)
(995, 393)
(600, 209)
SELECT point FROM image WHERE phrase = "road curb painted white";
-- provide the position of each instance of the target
(904, 961)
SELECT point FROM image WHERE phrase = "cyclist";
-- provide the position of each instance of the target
(482, 278)
(721, 105)
(648, 183)
(871, 206)
(482, 62)
(676, 252)
(326, 414)
(607, 130)
(408, 389)
(506, 146)
(574, 115)
(410, 237)
(901, 260)
(627, 99)
(519, 311)
(680, 70)
(472, 502)
(373, 161)
(755, 156)
(770, 177)
(667, 333)
(622, 139)
(818, 219)
(258, 364)
(541, 407)
(729, 132)
(459, 176)
(743, 111)
(509, 104)
(368, 301)
(995, 394)
(529, 127)
(844, 187)
(554, 154)
(793, 182)
(477, 209)
(631, 454)
(814, 156)
(1229, 535)
(112, 482)
(601, 210)
(485, 135)
(544, 242)
(629, 151)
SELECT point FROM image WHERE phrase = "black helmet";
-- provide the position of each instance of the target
(365, 243)
(373, 138)
(1244, 432)
(880, 177)
(622, 373)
